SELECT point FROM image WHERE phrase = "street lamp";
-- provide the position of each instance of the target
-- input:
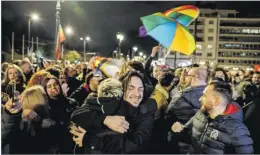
(120, 38)
(69, 30)
(87, 39)
(34, 17)
(141, 54)
(144, 57)
(134, 51)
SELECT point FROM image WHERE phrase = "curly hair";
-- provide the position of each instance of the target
(110, 88)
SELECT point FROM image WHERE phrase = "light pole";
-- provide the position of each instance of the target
(87, 39)
(34, 17)
(134, 50)
(120, 38)
(114, 53)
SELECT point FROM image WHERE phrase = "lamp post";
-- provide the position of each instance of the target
(134, 51)
(114, 53)
(33, 17)
(87, 39)
(120, 38)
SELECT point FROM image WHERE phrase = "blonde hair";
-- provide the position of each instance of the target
(33, 97)
(110, 88)
(21, 75)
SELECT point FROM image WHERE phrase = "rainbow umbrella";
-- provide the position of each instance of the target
(183, 14)
(169, 33)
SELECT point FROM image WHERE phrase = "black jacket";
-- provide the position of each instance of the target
(31, 137)
(10, 123)
(147, 72)
(60, 112)
(73, 84)
(225, 134)
(81, 93)
(91, 115)
(250, 120)
(136, 140)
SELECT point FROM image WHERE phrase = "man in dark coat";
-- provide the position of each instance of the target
(184, 105)
(90, 85)
(218, 128)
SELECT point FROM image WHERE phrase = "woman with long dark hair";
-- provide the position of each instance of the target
(61, 108)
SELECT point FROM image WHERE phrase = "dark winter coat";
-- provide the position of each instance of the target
(225, 134)
(29, 137)
(136, 140)
(147, 72)
(182, 107)
(73, 84)
(250, 119)
(81, 93)
(10, 123)
(60, 112)
(185, 104)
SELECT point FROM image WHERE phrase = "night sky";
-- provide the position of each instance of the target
(100, 20)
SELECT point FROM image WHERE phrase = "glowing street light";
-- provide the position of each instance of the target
(35, 16)
(114, 51)
(69, 30)
(120, 37)
(144, 56)
(141, 53)
(87, 39)
(135, 48)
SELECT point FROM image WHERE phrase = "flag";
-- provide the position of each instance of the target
(60, 40)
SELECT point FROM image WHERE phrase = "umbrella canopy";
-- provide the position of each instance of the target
(169, 33)
(183, 15)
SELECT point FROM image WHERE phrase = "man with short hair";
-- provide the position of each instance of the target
(90, 85)
(217, 128)
(185, 104)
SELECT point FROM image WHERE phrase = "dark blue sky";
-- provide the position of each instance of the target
(100, 20)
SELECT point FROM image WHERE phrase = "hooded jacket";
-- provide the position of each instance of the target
(225, 134)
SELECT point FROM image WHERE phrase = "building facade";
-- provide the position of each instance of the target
(224, 39)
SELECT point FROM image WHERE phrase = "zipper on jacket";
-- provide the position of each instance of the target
(203, 134)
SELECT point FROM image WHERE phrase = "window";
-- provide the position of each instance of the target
(199, 47)
(249, 62)
(211, 22)
(211, 30)
(209, 55)
(209, 46)
(210, 38)
(229, 61)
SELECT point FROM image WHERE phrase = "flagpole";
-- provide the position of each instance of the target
(37, 44)
(32, 50)
(23, 47)
(12, 46)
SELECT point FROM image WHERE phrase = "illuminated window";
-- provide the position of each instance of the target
(199, 47)
(209, 46)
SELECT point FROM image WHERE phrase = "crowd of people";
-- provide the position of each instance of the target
(58, 108)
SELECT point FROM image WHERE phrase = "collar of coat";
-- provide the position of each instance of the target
(161, 89)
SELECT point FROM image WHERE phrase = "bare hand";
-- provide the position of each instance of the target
(78, 134)
(13, 107)
(177, 127)
(65, 88)
(155, 50)
(117, 123)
